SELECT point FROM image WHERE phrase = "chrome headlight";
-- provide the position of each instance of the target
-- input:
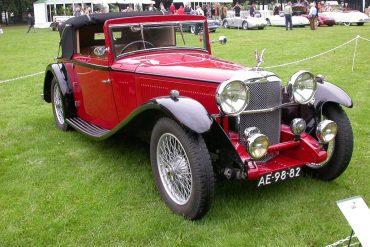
(302, 87)
(232, 97)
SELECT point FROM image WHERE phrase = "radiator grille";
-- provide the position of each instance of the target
(263, 95)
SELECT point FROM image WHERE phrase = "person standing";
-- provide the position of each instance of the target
(181, 10)
(172, 8)
(31, 23)
(288, 16)
(237, 8)
(252, 10)
(312, 15)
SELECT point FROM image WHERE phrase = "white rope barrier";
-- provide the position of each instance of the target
(315, 56)
(271, 67)
(368, 40)
(22, 77)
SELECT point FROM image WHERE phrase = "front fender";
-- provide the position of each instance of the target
(328, 92)
(187, 112)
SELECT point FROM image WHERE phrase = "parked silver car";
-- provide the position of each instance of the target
(244, 21)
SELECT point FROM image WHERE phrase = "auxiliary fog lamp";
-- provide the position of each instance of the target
(257, 143)
(326, 131)
(298, 126)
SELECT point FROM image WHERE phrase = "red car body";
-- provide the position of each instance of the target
(103, 95)
(323, 20)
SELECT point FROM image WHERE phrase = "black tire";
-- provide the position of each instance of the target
(268, 22)
(347, 24)
(199, 165)
(360, 23)
(57, 102)
(245, 25)
(261, 28)
(342, 148)
(225, 24)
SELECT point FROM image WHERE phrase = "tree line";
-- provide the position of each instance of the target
(16, 9)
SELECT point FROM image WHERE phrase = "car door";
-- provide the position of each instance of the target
(95, 100)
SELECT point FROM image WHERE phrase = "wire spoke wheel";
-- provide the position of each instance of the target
(58, 105)
(174, 168)
(182, 168)
(59, 110)
(339, 150)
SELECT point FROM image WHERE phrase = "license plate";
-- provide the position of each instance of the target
(278, 176)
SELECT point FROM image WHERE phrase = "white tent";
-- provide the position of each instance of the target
(44, 10)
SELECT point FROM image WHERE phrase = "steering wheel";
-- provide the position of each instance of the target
(135, 42)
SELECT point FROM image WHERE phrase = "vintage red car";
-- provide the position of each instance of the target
(204, 117)
(323, 20)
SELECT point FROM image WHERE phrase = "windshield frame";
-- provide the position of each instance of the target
(165, 23)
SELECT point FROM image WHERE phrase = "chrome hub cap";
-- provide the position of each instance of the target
(174, 168)
(58, 105)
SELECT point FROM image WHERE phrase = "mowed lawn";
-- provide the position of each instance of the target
(63, 189)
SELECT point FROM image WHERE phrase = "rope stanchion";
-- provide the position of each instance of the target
(22, 77)
(354, 53)
(315, 56)
(323, 53)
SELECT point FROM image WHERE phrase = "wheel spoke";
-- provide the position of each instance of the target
(174, 168)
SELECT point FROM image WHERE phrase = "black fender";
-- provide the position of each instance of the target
(188, 112)
(59, 72)
(328, 92)
(191, 115)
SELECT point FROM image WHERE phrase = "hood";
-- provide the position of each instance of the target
(194, 66)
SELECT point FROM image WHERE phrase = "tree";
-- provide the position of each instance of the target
(18, 7)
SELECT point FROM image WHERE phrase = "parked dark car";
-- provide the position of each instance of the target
(204, 117)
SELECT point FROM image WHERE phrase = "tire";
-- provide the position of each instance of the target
(225, 24)
(268, 22)
(261, 28)
(360, 23)
(339, 150)
(245, 25)
(347, 24)
(57, 101)
(191, 158)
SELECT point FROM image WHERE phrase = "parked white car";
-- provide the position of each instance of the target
(244, 21)
(279, 20)
(347, 18)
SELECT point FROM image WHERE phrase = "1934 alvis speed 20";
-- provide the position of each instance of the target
(205, 117)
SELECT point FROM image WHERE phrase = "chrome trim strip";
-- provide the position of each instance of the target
(268, 109)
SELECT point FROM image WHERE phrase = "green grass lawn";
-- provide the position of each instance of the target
(64, 189)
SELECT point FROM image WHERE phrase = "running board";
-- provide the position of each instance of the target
(86, 128)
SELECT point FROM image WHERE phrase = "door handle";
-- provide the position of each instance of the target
(106, 81)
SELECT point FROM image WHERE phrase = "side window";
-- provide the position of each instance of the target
(89, 39)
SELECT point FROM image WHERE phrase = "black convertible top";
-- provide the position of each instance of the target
(68, 28)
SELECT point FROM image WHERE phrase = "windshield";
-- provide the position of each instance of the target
(128, 39)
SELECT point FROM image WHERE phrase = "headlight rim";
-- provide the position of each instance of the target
(222, 87)
(294, 78)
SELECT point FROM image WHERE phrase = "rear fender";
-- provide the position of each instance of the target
(59, 72)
